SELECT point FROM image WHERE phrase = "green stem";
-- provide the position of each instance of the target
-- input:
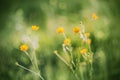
(64, 35)
(38, 74)
(76, 76)
(62, 59)
(91, 70)
(30, 59)
(35, 60)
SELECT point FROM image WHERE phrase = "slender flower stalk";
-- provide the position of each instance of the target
(27, 54)
(38, 74)
(56, 53)
(64, 35)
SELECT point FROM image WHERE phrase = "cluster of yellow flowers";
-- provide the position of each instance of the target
(84, 49)
(76, 29)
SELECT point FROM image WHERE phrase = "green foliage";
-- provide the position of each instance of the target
(17, 17)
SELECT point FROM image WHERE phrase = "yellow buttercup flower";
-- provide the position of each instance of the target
(94, 16)
(89, 41)
(87, 34)
(76, 29)
(83, 51)
(35, 28)
(60, 30)
(67, 41)
(24, 47)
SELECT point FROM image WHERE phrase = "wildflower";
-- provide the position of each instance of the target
(35, 28)
(60, 30)
(88, 41)
(24, 47)
(76, 29)
(87, 34)
(83, 51)
(94, 16)
(67, 41)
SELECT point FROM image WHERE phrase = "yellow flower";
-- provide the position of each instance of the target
(94, 16)
(24, 47)
(76, 29)
(87, 34)
(67, 41)
(60, 30)
(89, 41)
(83, 51)
(35, 28)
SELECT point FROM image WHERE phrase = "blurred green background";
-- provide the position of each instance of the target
(17, 17)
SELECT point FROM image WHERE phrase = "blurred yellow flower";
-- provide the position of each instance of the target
(67, 41)
(24, 47)
(83, 51)
(94, 16)
(88, 41)
(60, 30)
(35, 28)
(87, 34)
(76, 29)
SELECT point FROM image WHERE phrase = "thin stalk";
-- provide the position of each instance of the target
(38, 74)
(91, 70)
(81, 74)
(35, 59)
(30, 58)
(76, 76)
(64, 35)
(28, 55)
(89, 47)
(34, 64)
(71, 56)
(62, 59)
